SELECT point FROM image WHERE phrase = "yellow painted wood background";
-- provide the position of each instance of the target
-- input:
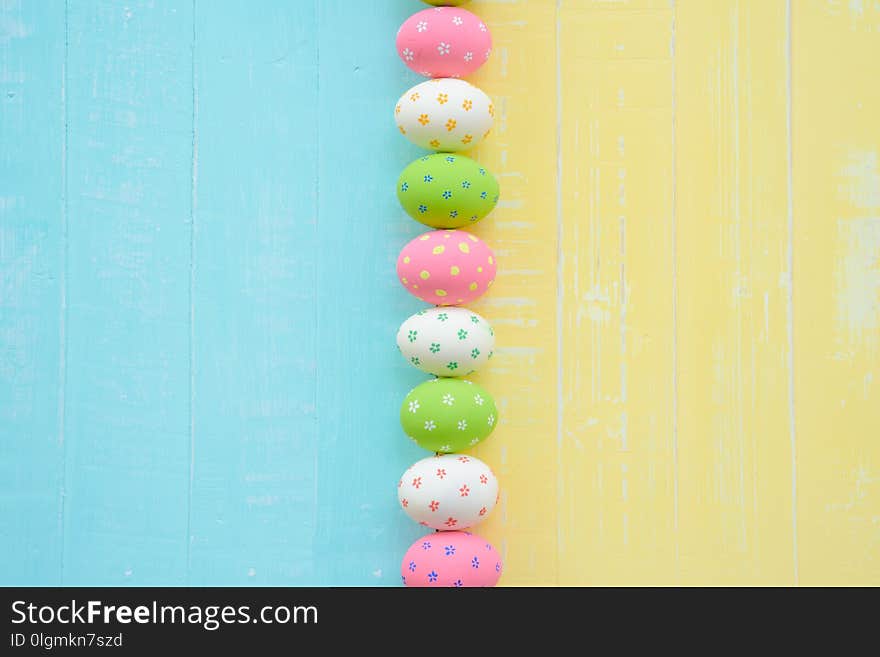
(689, 302)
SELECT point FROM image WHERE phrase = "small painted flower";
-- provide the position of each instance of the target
(462, 425)
(432, 576)
(441, 473)
(458, 583)
(435, 143)
(498, 567)
(404, 187)
(474, 441)
(483, 195)
(452, 365)
(443, 317)
(421, 26)
(412, 566)
(442, 99)
(423, 208)
(434, 348)
(434, 505)
(483, 511)
(414, 96)
(408, 54)
(416, 361)
(450, 158)
(450, 550)
(482, 27)
(478, 400)
(443, 48)
(400, 483)
(448, 399)
(404, 502)
(474, 217)
(423, 119)
(475, 352)
(468, 56)
(495, 198)
(445, 448)
(428, 177)
(490, 420)
(453, 213)
(447, 194)
(451, 522)
(450, 125)
(463, 459)
(484, 479)
(411, 336)
(426, 545)
(488, 52)
(417, 482)
(464, 490)
(430, 425)
(466, 139)
(414, 405)
(457, 20)
(475, 563)
(464, 183)
(397, 109)
(491, 109)
(462, 334)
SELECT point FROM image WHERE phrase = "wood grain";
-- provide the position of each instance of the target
(198, 230)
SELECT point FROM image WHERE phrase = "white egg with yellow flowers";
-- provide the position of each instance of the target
(445, 114)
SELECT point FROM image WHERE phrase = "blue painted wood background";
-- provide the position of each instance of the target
(198, 378)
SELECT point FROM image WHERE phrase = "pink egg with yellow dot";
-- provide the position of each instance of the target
(446, 267)
(445, 42)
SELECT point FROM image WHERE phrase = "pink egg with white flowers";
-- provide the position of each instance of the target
(444, 42)
(451, 559)
(446, 267)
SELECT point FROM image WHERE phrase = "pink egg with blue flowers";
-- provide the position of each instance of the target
(451, 559)
(444, 42)
(446, 267)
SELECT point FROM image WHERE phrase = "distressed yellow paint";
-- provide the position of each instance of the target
(836, 102)
(661, 165)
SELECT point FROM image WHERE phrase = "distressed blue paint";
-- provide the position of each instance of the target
(226, 412)
(31, 282)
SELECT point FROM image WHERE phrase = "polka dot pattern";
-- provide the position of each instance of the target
(446, 267)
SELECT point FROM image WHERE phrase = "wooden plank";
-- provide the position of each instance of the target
(254, 294)
(129, 109)
(361, 533)
(32, 287)
(617, 441)
(734, 442)
(521, 151)
(836, 218)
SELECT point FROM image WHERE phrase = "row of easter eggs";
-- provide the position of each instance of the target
(447, 492)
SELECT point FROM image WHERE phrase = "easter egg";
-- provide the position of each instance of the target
(446, 341)
(449, 491)
(446, 267)
(445, 42)
(444, 115)
(448, 415)
(451, 559)
(447, 191)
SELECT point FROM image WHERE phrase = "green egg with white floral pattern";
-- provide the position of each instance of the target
(448, 415)
(447, 190)
(446, 341)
